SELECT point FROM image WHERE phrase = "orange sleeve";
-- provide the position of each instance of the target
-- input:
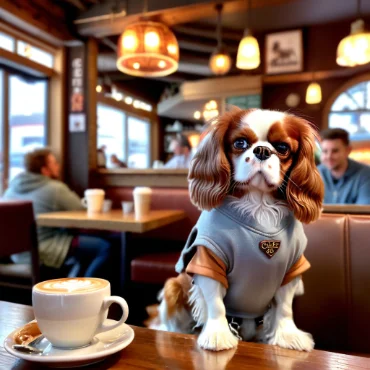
(297, 269)
(206, 263)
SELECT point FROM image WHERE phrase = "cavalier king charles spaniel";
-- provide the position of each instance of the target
(254, 178)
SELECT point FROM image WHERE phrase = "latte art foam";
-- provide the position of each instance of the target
(71, 285)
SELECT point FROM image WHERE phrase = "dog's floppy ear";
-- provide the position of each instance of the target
(209, 173)
(305, 189)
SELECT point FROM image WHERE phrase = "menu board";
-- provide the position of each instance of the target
(246, 101)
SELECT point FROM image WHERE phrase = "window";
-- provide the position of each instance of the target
(7, 42)
(37, 55)
(24, 126)
(19, 44)
(351, 111)
(125, 136)
(138, 143)
(111, 132)
(27, 119)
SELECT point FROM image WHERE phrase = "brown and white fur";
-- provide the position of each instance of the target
(265, 160)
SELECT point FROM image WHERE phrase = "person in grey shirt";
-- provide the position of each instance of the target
(346, 181)
(40, 184)
(182, 153)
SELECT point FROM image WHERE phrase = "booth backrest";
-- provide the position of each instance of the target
(335, 307)
(18, 234)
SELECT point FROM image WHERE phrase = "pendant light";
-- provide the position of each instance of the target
(220, 61)
(248, 51)
(313, 93)
(147, 49)
(354, 49)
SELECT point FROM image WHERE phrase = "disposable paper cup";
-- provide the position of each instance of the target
(142, 200)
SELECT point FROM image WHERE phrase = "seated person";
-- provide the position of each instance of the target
(182, 153)
(346, 181)
(116, 162)
(40, 184)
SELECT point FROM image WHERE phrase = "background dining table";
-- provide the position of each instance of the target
(152, 349)
(114, 220)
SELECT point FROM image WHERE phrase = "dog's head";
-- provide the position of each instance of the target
(258, 150)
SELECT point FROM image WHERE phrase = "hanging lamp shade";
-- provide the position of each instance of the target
(147, 49)
(248, 52)
(313, 93)
(220, 62)
(354, 49)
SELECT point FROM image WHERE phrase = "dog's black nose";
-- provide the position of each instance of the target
(262, 152)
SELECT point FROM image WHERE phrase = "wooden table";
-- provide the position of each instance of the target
(162, 350)
(114, 220)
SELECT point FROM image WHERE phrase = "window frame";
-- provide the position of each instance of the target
(347, 85)
(130, 111)
(7, 73)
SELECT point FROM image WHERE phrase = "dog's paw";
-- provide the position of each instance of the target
(216, 336)
(287, 335)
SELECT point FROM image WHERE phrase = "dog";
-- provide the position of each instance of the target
(255, 180)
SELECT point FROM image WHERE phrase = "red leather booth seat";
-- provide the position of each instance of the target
(336, 302)
(17, 234)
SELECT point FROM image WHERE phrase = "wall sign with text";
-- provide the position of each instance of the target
(77, 116)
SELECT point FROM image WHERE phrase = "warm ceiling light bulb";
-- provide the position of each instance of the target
(161, 64)
(197, 114)
(313, 93)
(354, 49)
(99, 89)
(248, 52)
(128, 100)
(130, 41)
(136, 65)
(212, 104)
(152, 40)
(220, 62)
(172, 49)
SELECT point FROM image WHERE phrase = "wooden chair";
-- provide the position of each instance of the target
(17, 234)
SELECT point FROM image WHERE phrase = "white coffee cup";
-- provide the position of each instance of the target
(107, 205)
(127, 207)
(70, 311)
(93, 200)
(142, 199)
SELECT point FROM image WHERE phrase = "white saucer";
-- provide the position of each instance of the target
(103, 345)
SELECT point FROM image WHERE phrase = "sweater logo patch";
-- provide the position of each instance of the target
(270, 247)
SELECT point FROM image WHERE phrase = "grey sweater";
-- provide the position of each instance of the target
(47, 195)
(352, 188)
(253, 277)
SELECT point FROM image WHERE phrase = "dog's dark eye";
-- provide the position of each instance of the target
(282, 148)
(241, 144)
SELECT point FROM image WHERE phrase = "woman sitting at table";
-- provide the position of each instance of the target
(40, 184)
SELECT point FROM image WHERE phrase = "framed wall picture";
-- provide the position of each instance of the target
(284, 52)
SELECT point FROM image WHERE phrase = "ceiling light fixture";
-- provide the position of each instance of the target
(248, 51)
(313, 93)
(147, 49)
(354, 49)
(220, 61)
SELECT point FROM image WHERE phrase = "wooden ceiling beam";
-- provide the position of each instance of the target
(202, 44)
(319, 75)
(171, 16)
(207, 31)
(25, 16)
(77, 3)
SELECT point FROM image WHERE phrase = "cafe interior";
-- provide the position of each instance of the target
(108, 85)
